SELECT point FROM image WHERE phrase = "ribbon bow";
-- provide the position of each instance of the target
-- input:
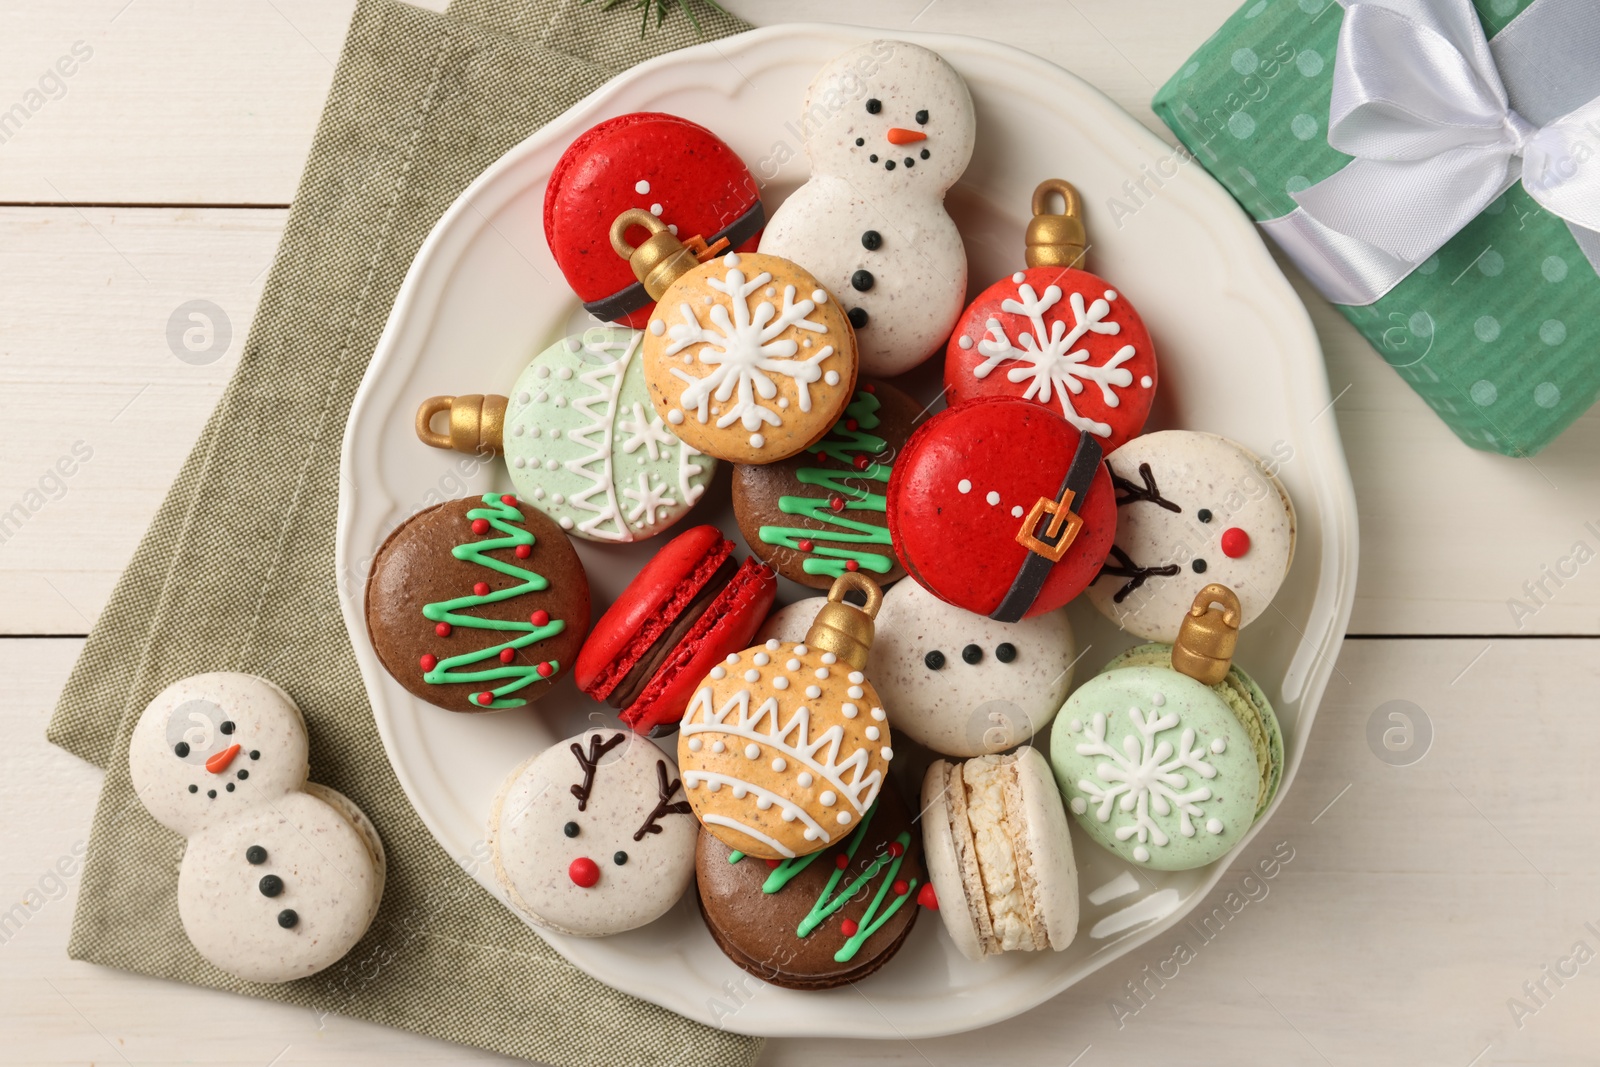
(1418, 100)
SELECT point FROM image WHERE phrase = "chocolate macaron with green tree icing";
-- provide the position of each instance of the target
(821, 920)
(822, 513)
(477, 604)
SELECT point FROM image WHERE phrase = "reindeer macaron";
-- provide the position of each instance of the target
(593, 836)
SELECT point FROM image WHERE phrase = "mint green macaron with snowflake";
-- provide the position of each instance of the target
(585, 446)
(1166, 771)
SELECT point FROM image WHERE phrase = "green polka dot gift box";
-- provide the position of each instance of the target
(1457, 225)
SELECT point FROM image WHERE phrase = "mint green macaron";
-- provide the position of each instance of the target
(1161, 769)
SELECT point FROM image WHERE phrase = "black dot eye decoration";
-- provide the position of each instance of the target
(255, 855)
(934, 660)
(910, 162)
(571, 829)
(270, 885)
(243, 775)
(212, 793)
(860, 141)
(888, 165)
(874, 106)
(872, 240)
(1005, 652)
(229, 787)
(858, 318)
(620, 858)
(227, 727)
(255, 753)
(1204, 514)
(1199, 566)
(862, 280)
(972, 654)
(181, 749)
(925, 153)
(287, 918)
(873, 158)
(194, 789)
(922, 117)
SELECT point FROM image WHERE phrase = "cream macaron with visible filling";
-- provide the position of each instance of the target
(999, 854)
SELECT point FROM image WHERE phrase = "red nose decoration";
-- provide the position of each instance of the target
(219, 763)
(899, 136)
(927, 897)
(583, 872)
(1235, 542)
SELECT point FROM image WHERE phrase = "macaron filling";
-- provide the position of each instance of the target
(638, 678)
(988, 825)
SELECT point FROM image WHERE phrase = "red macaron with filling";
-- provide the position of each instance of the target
(689, 607)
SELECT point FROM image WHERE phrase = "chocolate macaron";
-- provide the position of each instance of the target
(477, 604)
(818, 921)
(822, 512)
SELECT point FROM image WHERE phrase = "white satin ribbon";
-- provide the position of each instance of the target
(1419, 99)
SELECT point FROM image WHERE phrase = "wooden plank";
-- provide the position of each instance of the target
(1418, 901)
(100, 407)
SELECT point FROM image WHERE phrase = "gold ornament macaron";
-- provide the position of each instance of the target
(785, 746)
(748, 358)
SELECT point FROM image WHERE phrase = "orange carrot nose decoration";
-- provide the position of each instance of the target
(899, 136)
(219, 763)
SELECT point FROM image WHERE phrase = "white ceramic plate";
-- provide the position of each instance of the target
(1238, 357)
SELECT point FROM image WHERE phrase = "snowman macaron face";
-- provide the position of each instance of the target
(1192, 508)
(901, 120)
(211, 745)
(965, 685)
(593, 836)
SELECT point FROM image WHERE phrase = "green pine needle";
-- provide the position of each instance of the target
(660, 9)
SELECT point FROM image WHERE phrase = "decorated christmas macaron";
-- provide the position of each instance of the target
(477, 604)
(1000, 507)
(897, 131)
(593, 836)
(748, 358)
(1000, 854)
(280, 876)
(823, 512)
(581, 439)
(1192, 509)
(1057, 335)
(821, 920)
(1171, 753)
(964, 685)
(688, 608)
(785, 746)
(675, 170)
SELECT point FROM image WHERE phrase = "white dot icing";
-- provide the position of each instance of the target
(1213, 826)
(544, 372)
(1019, 277)
(801, 650)
(695, 744)
(829, 798)
(566, 523)
(886, 752)
(1141, 854)
(1016, 512)
(993, 498)
(850, 711)
(873, 733)
(829, 658)
(733, 657)
(780, 764)
(1078, 806)
(752, 675)
(964, 485)
(879, 714)
(804, 779)
(855, 692)
(641, 187)
(822, 673)
(719, 673)
(731, 259)
(832, 377)
(1146, 382)
(856, 677)
(763, 802)
(793, 664)
(718, 746)
(813, 691)
(762, 659)
(773, 644)
(675, 416)
(1158, 699)
(655, 209)
(819, 296)
(757, 441)
(752, 751)
(965, 342)
(1219, 746)
(1111, 294)
(789, 814)
(843, 818)
(780, 683)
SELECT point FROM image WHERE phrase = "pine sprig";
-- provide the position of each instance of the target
(660, 9)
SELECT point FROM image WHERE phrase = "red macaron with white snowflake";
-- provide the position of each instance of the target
(1062, 338)
(1001, 507)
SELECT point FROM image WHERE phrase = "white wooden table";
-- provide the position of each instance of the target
(1420, 898)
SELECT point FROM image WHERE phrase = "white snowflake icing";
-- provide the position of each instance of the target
(1144, 776)
(650, 498)
(647, 433)
(1046, 359)
(743, 350)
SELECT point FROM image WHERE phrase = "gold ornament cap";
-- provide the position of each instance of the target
(844, 629)
(477, 423)
(662, 259)
(1056, 240)
(1208, 636)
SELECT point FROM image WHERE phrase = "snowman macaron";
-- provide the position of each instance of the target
(281, 876)
(896, 131)
(593, 836)
(1192, 509)
(964, 685)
